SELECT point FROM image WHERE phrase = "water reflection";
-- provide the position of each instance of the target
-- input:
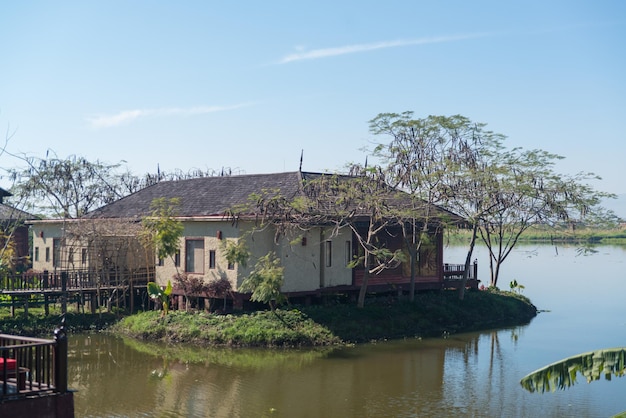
(406, 378)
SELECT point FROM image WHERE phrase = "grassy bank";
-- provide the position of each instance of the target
(432, 315)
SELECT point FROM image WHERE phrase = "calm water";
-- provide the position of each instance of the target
(470, 375)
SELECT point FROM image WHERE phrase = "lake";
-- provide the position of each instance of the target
(469, 375)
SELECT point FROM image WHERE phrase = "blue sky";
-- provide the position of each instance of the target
(248, 85)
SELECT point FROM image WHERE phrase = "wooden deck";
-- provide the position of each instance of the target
(33, 376)
(451, 278)
(95, 288)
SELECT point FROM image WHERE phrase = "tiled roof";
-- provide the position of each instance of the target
(214, 196)
(205, 196)
(10, 213)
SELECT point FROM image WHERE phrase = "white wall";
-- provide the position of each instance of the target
(43, 236)
(305, 265)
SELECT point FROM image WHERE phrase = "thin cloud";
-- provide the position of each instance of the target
(128, 116)
(352, 49)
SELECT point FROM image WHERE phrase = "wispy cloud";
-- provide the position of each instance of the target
(128, 116)
(352, 49)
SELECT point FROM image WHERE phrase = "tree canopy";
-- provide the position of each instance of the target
(67, 188)
(460, 165)
(161, 229)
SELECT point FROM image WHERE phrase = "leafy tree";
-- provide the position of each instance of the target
(508, 191)
(161, 228)
(68, 187)
(72, 186)
(417, 160)
(265, 281)
(162, 231)
(459, 164)
(7, 255)
(236, 252)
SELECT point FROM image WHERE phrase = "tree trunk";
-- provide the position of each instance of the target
(366, 276)
(413, 253)
(468, 262)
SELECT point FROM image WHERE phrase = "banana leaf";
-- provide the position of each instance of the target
(563, 374)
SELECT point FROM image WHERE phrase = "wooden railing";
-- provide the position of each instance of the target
(455, 271)
(75, 279)
(33, 366)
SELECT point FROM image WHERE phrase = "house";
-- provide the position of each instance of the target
(314, 258)
(14, 229)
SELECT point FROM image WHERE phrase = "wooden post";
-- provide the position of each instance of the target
(131, 295)
(60, 358)
(93, 301)
(64, 292)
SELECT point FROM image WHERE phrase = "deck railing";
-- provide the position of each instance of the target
(75, 279)
(456, 271)
(33, 366)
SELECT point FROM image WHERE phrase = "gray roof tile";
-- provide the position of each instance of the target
(205, 196)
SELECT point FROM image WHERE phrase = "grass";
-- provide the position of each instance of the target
(581, 236)
(431, 315)
(291, 328)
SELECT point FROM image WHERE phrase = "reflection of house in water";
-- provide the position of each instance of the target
(419, 377)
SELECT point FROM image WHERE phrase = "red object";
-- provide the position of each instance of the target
(11, 364)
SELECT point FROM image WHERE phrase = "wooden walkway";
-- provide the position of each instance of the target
(83, 287)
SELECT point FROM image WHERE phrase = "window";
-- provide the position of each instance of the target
(177, 258)
(231, 265)
(348, 252)
(56, 252)
(328, 253)
(194, 256)
(36, 253)
(47, 254)
(212, 259)
(83, 256)
(160, 262)
(70, 256)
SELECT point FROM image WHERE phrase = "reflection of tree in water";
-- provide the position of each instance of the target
(563, 374)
